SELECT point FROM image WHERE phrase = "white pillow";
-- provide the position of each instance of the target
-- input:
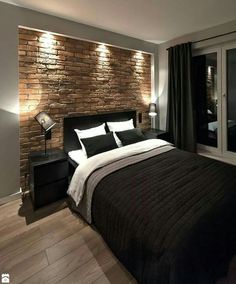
(120, 126)
(90, 132)
(78, 156)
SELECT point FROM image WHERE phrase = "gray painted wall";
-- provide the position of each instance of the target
(10, 18)
(163, 59)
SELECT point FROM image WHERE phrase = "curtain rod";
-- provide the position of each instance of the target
(212, 37)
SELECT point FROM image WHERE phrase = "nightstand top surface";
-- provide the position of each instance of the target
(153, 130)
(38, 158)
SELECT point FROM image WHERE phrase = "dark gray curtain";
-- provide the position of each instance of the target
(180, 116)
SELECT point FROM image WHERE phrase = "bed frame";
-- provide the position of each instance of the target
(71, 141)
(83, 121)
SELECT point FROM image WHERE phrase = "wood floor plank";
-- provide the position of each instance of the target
(59, 222)
(19, 226)
(69, 244)
(19, 241)
(53, 216)
(9, 208)
(10, 219)
(53, 245)
(12, 229)
(91, 270)
(28, 267)
(67, 264)
(74, 219)
(35, 247)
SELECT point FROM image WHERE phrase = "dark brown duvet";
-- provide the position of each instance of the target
(170, 219)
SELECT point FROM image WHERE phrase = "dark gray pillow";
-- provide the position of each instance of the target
(130, 136)
(98, 144)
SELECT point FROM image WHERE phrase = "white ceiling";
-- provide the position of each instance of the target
(150, 20)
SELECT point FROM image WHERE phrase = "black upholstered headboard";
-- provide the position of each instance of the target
(71, 141)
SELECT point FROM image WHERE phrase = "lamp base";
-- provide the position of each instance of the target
(153, 122)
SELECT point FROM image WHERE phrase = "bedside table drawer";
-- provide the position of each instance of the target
(50, 192)
(50, 173)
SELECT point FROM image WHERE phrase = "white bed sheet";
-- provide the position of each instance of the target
(82, 172)
(78, 156)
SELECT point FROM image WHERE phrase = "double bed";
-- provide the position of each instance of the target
(168, 215)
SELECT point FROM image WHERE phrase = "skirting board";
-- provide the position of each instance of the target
(227, 160)
(9, 198)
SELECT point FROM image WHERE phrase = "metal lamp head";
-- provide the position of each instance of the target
(152, 109)
(47, 124)
(45, 121)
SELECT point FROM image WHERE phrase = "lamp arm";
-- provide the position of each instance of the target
(45, 144)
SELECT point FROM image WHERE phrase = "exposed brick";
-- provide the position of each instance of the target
(57, 67)
(65, 76)
(27, 36)
(48, 50)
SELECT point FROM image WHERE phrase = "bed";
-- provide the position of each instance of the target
(168, 215)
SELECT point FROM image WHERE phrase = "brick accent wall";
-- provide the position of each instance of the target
(65, 76)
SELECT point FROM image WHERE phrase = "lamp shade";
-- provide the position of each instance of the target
(45, 121)
(152, 109)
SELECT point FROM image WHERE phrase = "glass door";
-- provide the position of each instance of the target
(206, 90)
(229, 100)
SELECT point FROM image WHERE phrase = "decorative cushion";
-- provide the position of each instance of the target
(90, 132)
(120, 126)
(130, 136)
(98, 144)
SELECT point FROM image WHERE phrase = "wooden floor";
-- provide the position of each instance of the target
(53, 245)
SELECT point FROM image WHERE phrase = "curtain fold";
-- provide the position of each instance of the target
(180, 115)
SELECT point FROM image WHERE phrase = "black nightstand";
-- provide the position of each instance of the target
(156, 133)
(48, 176)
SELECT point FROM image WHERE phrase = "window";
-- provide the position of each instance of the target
(206, 98)
(214, 90)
